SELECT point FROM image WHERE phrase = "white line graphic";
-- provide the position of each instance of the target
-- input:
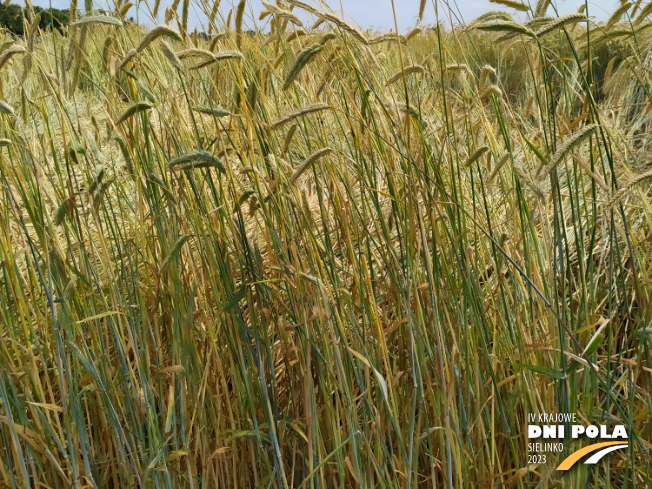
(595, 458)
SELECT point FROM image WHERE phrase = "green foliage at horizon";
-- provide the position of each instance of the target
(14, 17)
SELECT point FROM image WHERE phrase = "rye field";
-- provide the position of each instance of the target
(281, 251)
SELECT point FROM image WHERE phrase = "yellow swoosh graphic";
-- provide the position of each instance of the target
(574, 457)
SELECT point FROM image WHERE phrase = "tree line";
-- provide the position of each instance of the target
(15, 19)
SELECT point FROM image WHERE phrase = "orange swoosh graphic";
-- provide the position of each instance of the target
(574, 457)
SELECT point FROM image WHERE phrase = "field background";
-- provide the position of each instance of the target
(313, 256)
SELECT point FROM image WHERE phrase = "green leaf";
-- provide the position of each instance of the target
(591, 348)
(176, 249)
(554, 374)
(237, 297)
